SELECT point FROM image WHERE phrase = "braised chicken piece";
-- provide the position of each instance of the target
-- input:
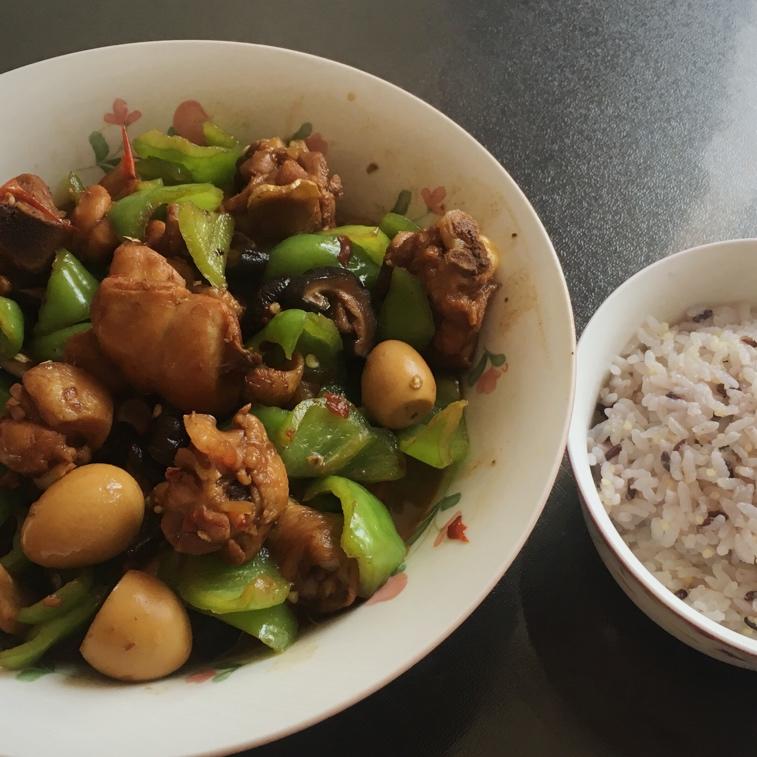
(306, 546)
(456, 266)
(32, 228)
(83, 350)
(57, 416)
(165, 339)
(288, 190)
(274, 386)
(226, 490)
(165, 236)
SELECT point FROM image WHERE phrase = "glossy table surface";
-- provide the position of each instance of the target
(632, 128)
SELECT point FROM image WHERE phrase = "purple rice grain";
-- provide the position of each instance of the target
(613, 452)
(703, 316)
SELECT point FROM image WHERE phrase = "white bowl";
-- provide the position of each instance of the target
(518, 431)
(714, 274)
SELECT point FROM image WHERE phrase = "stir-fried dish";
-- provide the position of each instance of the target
(221, 414)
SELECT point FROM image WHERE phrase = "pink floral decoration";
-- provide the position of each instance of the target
(317, 143)
(394, 585)
(489, 378)
(201, 676)
(188, 119)
(434, 199)
(121, 116)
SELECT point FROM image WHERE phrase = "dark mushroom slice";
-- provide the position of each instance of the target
(338, 294)
(31, 226)
(246, 262)
(265, 304)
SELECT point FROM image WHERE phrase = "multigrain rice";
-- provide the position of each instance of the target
(675, 457)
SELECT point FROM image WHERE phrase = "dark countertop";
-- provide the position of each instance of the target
(632, 128)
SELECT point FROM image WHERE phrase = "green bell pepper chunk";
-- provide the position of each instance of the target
(303, 252)
(275, 626)
(379, 460)
(208, 238)
(392, 223)
(406, 313)
(52, 346)
(168, 173)
(314, 441)
(15, 561)
(440, 441)
(11, 328)
(371, 239)
(311, 334)
(45, 635)
(130, 214)
(212, 164)
(275, 419)
(368, 534)
(209, 583)
(70, 290)
(215, 136)
(65, 599)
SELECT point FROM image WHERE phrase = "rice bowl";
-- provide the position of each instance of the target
(675, 457)
(709, 276)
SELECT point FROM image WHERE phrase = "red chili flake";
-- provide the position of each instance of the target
(750, 596)
(749, 341)
(434, 199)
(682, 593)
(121, 116)
(345, 250)
(456, 529)
(127, 165)
(371, 167)
(337, 404)
(21, 195)
(317, 143)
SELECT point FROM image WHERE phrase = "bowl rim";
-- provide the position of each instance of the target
(341, 703)
(593, 507)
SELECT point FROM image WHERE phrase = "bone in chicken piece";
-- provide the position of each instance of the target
(226, 490)
(456, 265)
(165, 339)
(57, 416)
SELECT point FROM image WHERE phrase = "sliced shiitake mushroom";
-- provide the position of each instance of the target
(338, 294)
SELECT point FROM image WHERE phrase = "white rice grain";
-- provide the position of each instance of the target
(682, 404)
